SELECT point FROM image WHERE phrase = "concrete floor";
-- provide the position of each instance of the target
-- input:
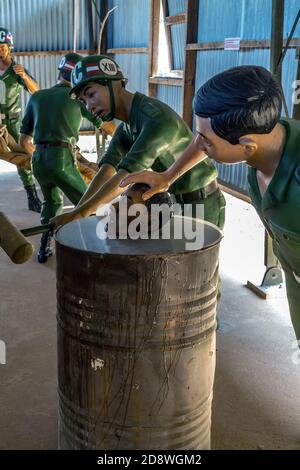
(256, 398)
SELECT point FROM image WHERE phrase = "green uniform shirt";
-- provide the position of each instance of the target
(10, 91)
(154, 138)
(52, 116)
(279, 208)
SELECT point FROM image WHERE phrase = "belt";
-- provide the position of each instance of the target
(201, 193)
(44, 145)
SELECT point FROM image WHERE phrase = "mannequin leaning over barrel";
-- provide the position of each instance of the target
(238, 120)
(151, 136)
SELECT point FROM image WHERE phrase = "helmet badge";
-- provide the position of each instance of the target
(108, 67)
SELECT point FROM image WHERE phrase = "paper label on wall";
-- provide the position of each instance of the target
(232, 44)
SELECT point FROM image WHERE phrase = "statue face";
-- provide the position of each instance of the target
(5, 53)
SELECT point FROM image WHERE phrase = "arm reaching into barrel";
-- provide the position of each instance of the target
(109, 191)
(160, 182)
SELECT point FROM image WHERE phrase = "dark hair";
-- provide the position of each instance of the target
(65, 75)
(242, 100)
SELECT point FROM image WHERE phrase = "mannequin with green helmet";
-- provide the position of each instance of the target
(13, 77)
(151, 136)
(104, 71)
(52, 120)
(67, 65)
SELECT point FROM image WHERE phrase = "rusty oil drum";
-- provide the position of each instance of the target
(136, 340)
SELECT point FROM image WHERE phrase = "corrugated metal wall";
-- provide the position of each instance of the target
(176, 6)
(46, 25)
(128, 27)
(178, 32)
(249, 20)
(171, 95)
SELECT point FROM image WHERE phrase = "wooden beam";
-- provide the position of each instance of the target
(166, 81)
(229, 189)
(276, 37)
(75, 8)
(88, 132)
(175, 19)
(89, 19)
(128, 50)
(45, 53)
(153, 45)
(244, 44)
(190, 61)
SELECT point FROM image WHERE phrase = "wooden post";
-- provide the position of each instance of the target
(74, 25)
(153, 45)
(296, 107)
(190, 61)
(276, 37)
(91, 42)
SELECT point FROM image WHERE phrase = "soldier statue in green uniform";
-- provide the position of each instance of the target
(151, 135)
(12, 78)
(238, 120)
(53, 120)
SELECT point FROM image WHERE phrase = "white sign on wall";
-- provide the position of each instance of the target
(232, 44)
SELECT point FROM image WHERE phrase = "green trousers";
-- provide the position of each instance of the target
(56, 172)
(293, 296)
(26, 176)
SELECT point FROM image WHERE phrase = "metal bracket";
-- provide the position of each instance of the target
(271, 285)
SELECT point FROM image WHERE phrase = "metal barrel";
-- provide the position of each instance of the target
(136, 339)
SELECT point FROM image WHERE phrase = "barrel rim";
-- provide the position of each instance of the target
(148, 255)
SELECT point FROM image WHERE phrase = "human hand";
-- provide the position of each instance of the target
(158, 182)
(19, 70)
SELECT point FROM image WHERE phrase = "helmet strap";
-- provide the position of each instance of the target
(110, 116)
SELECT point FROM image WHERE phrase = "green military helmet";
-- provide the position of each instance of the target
(97, 68)
(68, 63)
(6, 37)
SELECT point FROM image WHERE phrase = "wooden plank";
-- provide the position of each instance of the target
(153, 45)
(89, 12)
(229, 189)
(244, 44)
(190, 61)
(88, 132)
(166, 81)
(128, 50)
(175, 19)
(44, 53)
